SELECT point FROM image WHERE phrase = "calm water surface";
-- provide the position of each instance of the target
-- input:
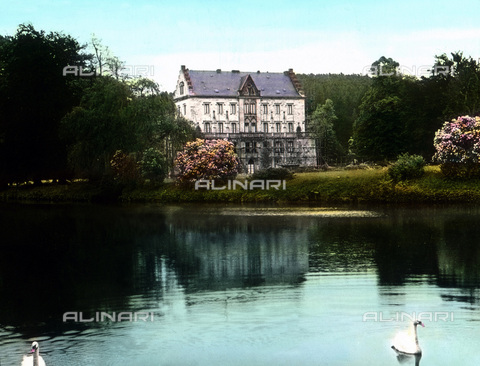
(238, 285)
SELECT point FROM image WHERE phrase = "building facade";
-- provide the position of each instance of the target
(262, 113)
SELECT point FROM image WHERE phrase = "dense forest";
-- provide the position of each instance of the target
(69, 125)
(377, 117)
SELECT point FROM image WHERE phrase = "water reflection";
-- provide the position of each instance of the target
(409, 359)
(210, 269)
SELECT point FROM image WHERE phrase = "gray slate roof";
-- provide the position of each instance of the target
(227, 83)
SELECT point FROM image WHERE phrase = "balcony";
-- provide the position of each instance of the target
(255, 135)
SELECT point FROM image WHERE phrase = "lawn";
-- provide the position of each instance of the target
(333, 186)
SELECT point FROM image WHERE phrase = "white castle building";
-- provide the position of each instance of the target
(262, 113)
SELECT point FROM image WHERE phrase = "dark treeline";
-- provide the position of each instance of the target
(60, 125)
(378, 117)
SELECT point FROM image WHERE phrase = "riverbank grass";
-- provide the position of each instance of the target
(333, 186)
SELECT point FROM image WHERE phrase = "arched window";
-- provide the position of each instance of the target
(182, 87)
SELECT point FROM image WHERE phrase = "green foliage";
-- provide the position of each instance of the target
(34, 96)
(272, 174)
(407, 167)
(153, 165)
(125, 169)
(98, 127)
(207, 159)
(379, 131)
(346, 92)
(111, 117)
(401, 113)
(321, 128)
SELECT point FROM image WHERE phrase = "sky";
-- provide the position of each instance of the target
(156, 37)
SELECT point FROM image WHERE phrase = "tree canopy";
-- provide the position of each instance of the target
(34, 96)
(55, 125)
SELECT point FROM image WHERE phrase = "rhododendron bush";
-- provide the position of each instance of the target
(457, 146)
(207, 159)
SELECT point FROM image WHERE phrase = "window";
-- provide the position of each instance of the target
(220, 108)
(251, 166)
(290, 127)
(253, 127)
(213, 114)
(278, 127)
(220, 127)
(206, 108)
(234, 127)
(247, 127)
(226, 114)
(233, 108)
(290, 108)
(278, 147)
(184, 109)
(251, 147)
(265, 127)
(178, 109)
(208, 128)
(290, 146)
(182, 87)
(265, 108)
(277, 108)
(250, 107)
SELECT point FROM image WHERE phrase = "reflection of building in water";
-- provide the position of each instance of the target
(235, 259)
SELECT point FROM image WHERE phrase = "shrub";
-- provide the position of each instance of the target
(153, 165)
(272, 174)
(207, 159)
(407, 167)
(457, 146)
(124, 167)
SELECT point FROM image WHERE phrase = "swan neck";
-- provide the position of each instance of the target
(416, 336)
(35, 357)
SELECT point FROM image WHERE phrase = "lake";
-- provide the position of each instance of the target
(238, 285)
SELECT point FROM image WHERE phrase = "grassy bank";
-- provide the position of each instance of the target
(337, 186)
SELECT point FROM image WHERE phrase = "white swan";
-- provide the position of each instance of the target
(34, 358)
(407, 343)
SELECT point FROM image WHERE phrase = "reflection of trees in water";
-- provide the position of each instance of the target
(59, 258)
(459, 253)
(396, 248)
(400, 246)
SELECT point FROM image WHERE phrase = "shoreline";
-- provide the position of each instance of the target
(330, 187)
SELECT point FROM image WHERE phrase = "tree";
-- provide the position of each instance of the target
(459, 78)
(98, 127)
(380, 131)
(34, 96)
(321, 128)
(207, 159)
(346, 92)
(153, 165)
(112, 117)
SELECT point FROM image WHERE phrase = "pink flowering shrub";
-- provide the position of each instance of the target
(457, 146)
(207, 159)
